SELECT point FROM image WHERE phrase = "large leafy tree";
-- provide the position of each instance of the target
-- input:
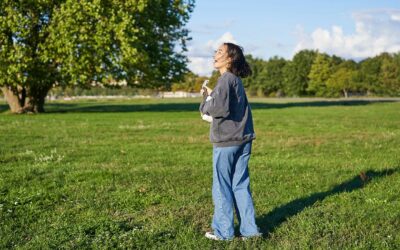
(273, 77)
(389, 75)
(255, 81)
(369, 74)
(66, 42)
(321, 70)
(344, 79)
(297, 71)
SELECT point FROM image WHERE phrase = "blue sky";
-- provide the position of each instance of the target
(348, 28)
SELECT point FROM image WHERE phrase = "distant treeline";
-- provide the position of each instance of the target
(311, 73)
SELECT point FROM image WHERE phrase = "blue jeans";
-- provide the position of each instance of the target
(231, 188)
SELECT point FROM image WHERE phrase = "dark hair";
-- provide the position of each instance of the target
(238, 65)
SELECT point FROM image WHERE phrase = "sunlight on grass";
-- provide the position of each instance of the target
(137, 174)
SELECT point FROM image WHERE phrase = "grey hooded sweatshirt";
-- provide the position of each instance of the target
(232, 123)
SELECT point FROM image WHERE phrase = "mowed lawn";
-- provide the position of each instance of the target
(137, 174)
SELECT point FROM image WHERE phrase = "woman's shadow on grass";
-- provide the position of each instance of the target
(272, 220)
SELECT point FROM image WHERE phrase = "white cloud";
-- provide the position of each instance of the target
(214, 44)
(376, 31)
(395, 17)
(201, 66)
(201, 56)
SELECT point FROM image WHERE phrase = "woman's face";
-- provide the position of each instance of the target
(221, 59)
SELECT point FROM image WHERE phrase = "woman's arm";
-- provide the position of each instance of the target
(217, 103)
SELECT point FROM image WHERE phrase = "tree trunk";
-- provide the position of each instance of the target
(345, 93)
(21, 100)
(12, 99)
(37, 96)
(38, 106)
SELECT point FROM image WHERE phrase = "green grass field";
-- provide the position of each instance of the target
(137, 174)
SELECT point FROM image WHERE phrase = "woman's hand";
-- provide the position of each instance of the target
(206, 89)
(209, 90)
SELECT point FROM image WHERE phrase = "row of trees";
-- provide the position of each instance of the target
(311, 73)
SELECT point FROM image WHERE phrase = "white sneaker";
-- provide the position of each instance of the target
(211, 236)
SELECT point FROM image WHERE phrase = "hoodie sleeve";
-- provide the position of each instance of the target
(217, 104)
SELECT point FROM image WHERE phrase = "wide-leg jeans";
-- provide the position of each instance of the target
(231, 188)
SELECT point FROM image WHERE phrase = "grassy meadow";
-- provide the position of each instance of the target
(136, 174)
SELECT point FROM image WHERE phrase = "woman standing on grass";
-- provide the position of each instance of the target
(231, 133)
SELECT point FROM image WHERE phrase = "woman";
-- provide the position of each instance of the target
(231, 133)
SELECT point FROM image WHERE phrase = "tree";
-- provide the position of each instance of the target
(273, 77)
(369, 74)
(66, 42)
(297, 71)
(389, 75)
(321, 70)
(255, 81)
(343, 79)
(396, 59)
(190, 83)
(213, 80)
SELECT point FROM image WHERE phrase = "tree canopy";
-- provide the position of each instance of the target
(312, 73)
(66, 42)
